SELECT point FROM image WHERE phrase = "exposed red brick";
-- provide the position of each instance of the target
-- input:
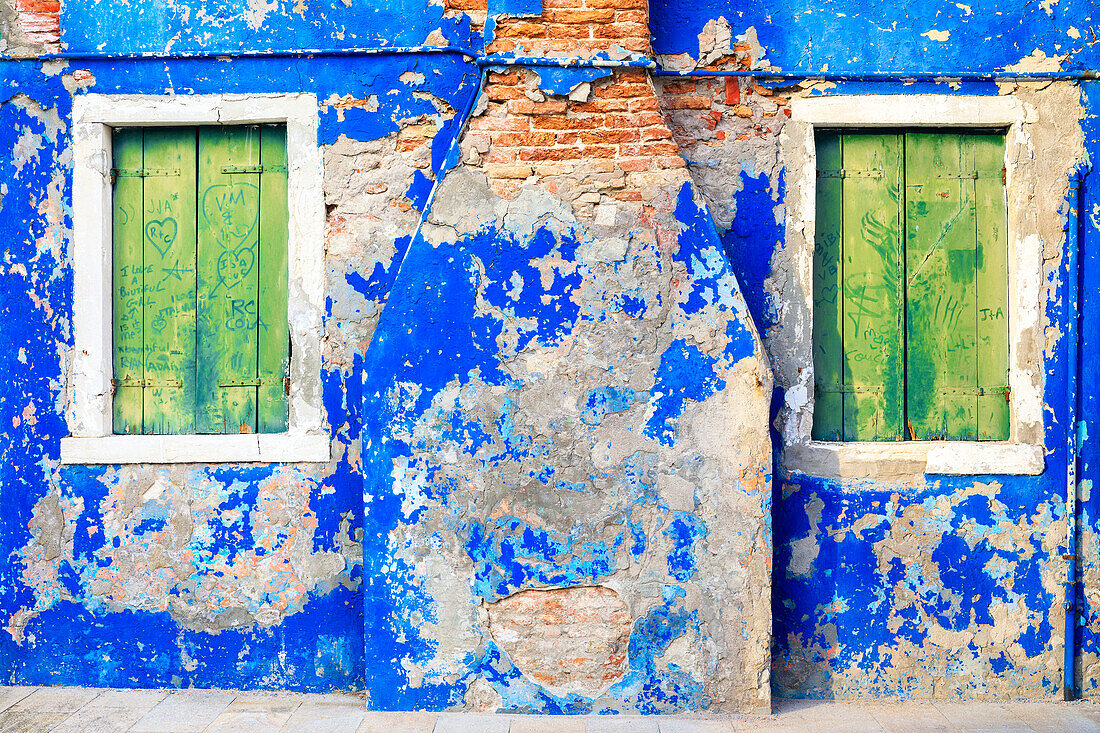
(517, 139)
(572, 15)
(606, 137)
(548, 122)
(38, 21)
(733, 90)
(569, 639)
(654, 149)
(686, 102)
(634, 4)
(503, 124)
(527, 107)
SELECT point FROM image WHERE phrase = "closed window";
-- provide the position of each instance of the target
(200, 330)
(910, 287)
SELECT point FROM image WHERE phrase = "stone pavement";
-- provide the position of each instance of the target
(85, 710)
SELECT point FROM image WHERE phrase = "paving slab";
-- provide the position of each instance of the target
(547, 724)
(185, 711)
(22, 721)
(100, 720)
(377, 722)
(620, 724)
(982, 716)
(10, 695)
(472, 723)
(904, 717)
(836, 716)
(55, 700)
(1056, 717)
(252, 713)
(313, 717)
(144, 700)
(679, 725)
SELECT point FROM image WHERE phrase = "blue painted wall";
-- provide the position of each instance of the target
(845, 620)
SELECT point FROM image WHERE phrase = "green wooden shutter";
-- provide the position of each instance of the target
(242, 253)
(200, 224)
(273, 327)
(957, 276)
(858, 334)
(169, 199)
(911, 341)
(991, 287)
(128, 264)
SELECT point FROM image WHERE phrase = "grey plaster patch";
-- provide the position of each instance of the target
(463, 205)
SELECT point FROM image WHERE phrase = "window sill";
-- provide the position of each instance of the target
(267, 448)
(912, 459)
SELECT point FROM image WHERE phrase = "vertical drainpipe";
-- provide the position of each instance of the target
(1073, 425)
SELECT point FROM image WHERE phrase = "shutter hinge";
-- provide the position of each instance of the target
(117, 173)
(253, 169)
(131, 382)
(979, 391)
(257, 382)
(848, 389)
(850, 173)
(241, 383)
(975, 175)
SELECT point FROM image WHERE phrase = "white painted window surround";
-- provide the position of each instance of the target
(89, 412)
(791, 341)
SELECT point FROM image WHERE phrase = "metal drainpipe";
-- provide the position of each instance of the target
(1073, 428)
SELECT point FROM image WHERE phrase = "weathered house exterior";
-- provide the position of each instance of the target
(556, 429)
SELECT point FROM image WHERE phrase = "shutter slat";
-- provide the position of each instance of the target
(273, 331)
(941, 359)
(128, 284)
(872, 289)
(169, 250)
(228, 279)
(991, 289)
(828, 345)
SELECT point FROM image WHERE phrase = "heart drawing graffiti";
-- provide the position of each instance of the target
(234, 266)
(161, 233)
(232, 211)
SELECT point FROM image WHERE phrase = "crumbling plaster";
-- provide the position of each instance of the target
(539, 437)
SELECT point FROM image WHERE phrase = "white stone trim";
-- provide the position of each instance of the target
(909, 110)
(89, 413)
(267, 447)
(791, 340)
(904, 459)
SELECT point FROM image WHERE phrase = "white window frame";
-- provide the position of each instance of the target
(791, 340)
(90, 414)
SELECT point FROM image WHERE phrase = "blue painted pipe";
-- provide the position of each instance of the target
(298, 53)
(883, 75)
(567, 63)
(1073, 425)
(505, 60)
